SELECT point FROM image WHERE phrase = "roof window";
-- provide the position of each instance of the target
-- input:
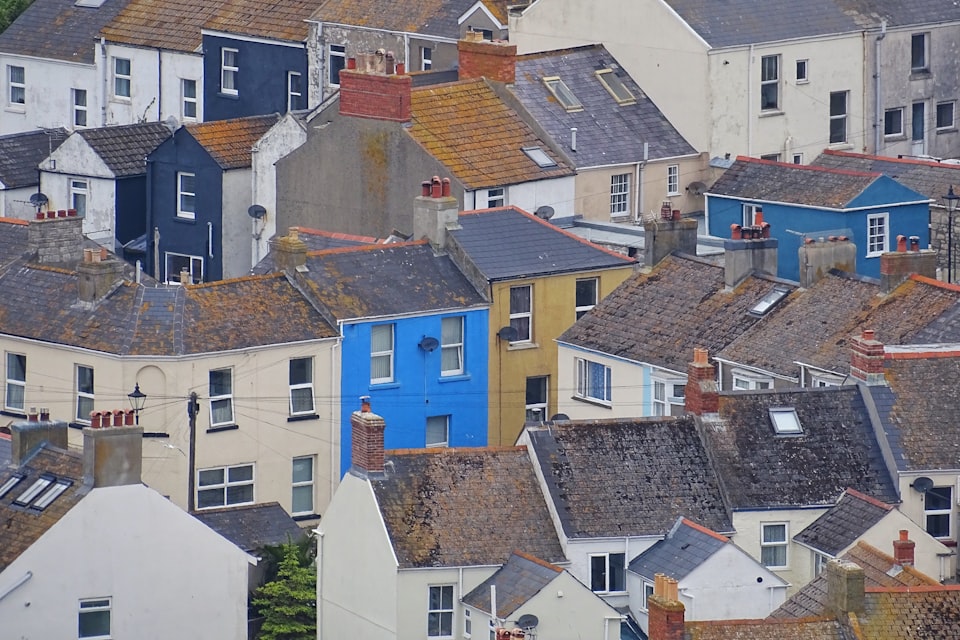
(785, 421)
(539, 156)
(11, 482)
(615, 87)
(769, 301)
(27, 496)
(47, 499)
(563, 94)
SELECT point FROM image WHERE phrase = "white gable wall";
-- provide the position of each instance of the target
(236, 229)
(49, 100)
(15, 203)
(931, 556)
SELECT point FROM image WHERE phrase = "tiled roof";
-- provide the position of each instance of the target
(22, 527)
(21, 154)
(628, 477)
(463, 507)
(507, 243)
(521, 578)
(230, 142)
(387, 280)
(467, 127)
(13, 241)
(428, 17)
(764, 630)
(317, 240)
(843, 523)
(836, 450)
(685, 548)
(253, 527)
(163, 24)
(59, 30)
(124, 149)
(932, 179)
(607, 133)
(816, 326)
(658, 317)
(911, 613)
(275, 19)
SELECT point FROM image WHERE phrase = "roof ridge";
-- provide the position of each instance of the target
(335, 234)
(868, 499)
(921, 588)
(367, 247)
(14, 221)
(252, 277)
(536, 560)
(702, 529)
(897, 159)
(949, 286)
(807, 167)
(452, 450)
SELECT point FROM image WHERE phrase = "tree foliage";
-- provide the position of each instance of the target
(9, 10)
(289, 603)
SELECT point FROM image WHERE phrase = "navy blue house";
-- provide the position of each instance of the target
(801, 202)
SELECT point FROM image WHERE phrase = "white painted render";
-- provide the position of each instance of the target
(15, 203)
(559, 193)
(49, 99)
(912, 501)
(235, 223)
(579, 550)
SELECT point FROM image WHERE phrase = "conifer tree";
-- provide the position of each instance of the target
(289, 603)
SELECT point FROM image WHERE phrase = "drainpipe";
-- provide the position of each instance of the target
(878, 124)
(18, 583)
(159, 83)
(319, 562)
(103, 81)
(750, 100)
(334, 418)
(406, 51)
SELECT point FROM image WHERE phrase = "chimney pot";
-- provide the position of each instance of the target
(94, 419)
(425, 188)
(758, 217)
(401, 69)
(436, 188)
(71, 213)
(51, 214)
(62, 213)
(33, 416)
(184, 277)
(868, 334)
(351, 63)
(736, 232)
(128, 416)
(445, 187)
(904, 549)
(41, 215)
(676, 214)
(914, 243)
(901, 243)
(364, 404)
(44, 414)
(118, 417)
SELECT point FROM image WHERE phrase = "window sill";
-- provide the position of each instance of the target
(183, 220)
(120, 100)
(223, 427)
(12, 413)
(13, 109)
(597, 403)
(155, 434)
(673, 194)
(875, 254)
(894, 137)
(228, 96)
(521, 346)
(947, 130)
(771, 113)
(305, 516)
(384, 385)
(460, 377)
(621, 217)
(840, 146)
(303, 417)
(806, 81)
(78, 425)
(920, 74)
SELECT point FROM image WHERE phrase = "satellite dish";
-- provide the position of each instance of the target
(172, 124)
(256, 211)
(507, 333)
(429, 343)
(696, 188)
(528, 621)
(559, 416)
(922, 484)
(545, 212)
(38, 199)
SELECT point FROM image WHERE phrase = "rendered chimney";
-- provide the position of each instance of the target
(818, 256)
(667, 234)
(866, 359)
(367, 441)
(845, 588)
(481, 58)
(112, 456)
(702, 394)
(665, 611)
(435, 212)
(97, 277)
(56, 240)
(903, 549)
(28, 435)
(366, 92)
(749, 250)
(897, 266)
(289, 251)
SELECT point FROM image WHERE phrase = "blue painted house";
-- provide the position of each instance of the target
(802, 202)
(255, 58)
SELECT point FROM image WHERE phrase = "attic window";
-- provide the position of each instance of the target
(27, 496)
(614, 85)
(563, 94)
(11, 482)
(785, 421)
(539, 156)
(47, 499)
(91, 4)
(769, 301)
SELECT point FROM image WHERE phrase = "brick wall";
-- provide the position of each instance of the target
(375, 95)
(702, 394)
(56, 240)
(367, 446)
(484, 59)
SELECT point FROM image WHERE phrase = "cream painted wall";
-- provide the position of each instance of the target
(555, 192)
(129, 544)
(628, 381)
(284, 137)
(579, 551)
(912, 505)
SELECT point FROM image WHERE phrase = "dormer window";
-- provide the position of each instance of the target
(785, 421)
(563, 94)
(539, 156)
(614, 85)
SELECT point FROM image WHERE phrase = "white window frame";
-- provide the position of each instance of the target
(522, 315)
(16, 89)
(436, 421)
(451, 346)
(182, 192)
(839, 117)
(338, 51)
(221, 399)
(229, 70)
(587, 370)
(770, 80)
(823, 380)
(785, 421)
(620, 195)
(541, 405)
(95, 606)
(928, 513)
(79, 99)
(302, 486)
(749, 214)
(804, 65)
(820, 561)
(673, 180)
(441, 611)
(924, 62)
(426, 58)
(14, 382)
(608, 572)
(798, 158)
(383, 353)
(193, 261)
(665, 397)
(563, 94)
(579, 307)
(775, 544)
(953, 115)
(878, 234)
(122, 81)
(467, 624)
(748, 380)
(79, 190)
(83, 396)
(645, 593)
(300, 386)
(226, 484)
(293, 95)
(888, 132)
(496, 197)
(187, 101)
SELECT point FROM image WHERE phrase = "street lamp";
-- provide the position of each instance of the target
(138, 398)
(950, 202)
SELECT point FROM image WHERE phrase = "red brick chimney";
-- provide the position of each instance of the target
(701, 395)
(903, 549)
(665, 611)
(374, 91)
(481, 58)
(367, 440)
(897, 266)
(866, 358)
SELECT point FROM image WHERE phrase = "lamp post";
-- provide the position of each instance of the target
(950, 201)
(137, 400)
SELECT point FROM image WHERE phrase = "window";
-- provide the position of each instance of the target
(381, 354)
(225, 486)
(647, 592)
(94, 618)
(221, 397)
(838, 117)
(820, 561)
(11, 483)
(302, 498)
(177, 263)
(769, 301)
(78, 196)
(773, 545)
(938, 510)
(438, 431)
(426, 58)
(440, 612)
(785, 421)
(593, 380)
(294, 91)
(798, 158)
(668, 397)
(615, 87)
(521, 312)
(301, 386)
(945, 115)
(876, 234)
(918, 53)
(34, 490)
(750, 212)
(79, 107)
(487, 34)
(620, 195)
(495, 197)
(563, 94)
(188, 89)
(229, 69)
(802, 69)
(451, 346)
(16, 77)
(607, 572)
(586, 295)
(186, 195)
(16, 382)
(673, 180)
(52, 494)
(467, 624)
(752, 381)
(821, 380)
(536, 398)
(769, 83)
(893, 122)
(918, 125)
(337, 56)
(84, 393)
(772, 157)
(538, 155)
(121, 78)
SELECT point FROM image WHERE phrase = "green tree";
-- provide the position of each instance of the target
(9, 10)
(289, 603)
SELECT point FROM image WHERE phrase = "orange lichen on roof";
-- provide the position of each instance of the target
(166, 24)
(337, 235)
(278, 19)
(230, 142)
(14, 221)
(400, 15)
(705, 530)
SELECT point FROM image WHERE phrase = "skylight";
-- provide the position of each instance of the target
(785, 421)
(563, 94)
(769, 301)
(46, 499)
(614, 85)
(27, 496)
(539, 156)
(11, 482)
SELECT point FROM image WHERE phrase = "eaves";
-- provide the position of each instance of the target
(822, 208)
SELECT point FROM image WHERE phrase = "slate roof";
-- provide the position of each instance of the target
(686, 547)
(318, 240)
(164, 24)
(21, 154)
(764, 630)
(932, 179)
(506, 243)
(843, 523)
(659, 316)
(124, 149)
(628, 477)
(911, 613)
(253, 527)
(467, 127)
(427, 17)
(230, 142)
(274, 19)
(59, 30)
(760, 469)
(387, 280)
(462, 507)
(607, 133)
(522, 577)
(816, 326)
